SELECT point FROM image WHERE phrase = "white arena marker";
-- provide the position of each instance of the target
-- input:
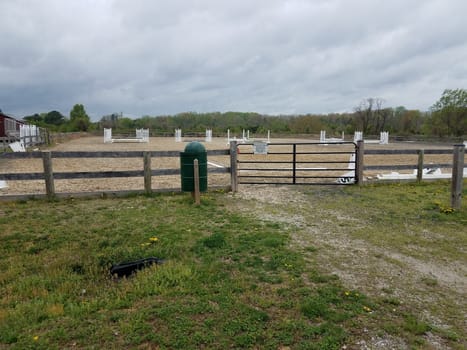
(216, 165)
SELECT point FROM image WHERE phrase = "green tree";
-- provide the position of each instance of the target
(306, 124)
(79, 120)
(34, 119)
(449, 113)
(54, 118)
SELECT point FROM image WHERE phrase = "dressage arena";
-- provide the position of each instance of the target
(94, 144)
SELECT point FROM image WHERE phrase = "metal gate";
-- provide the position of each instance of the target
(311, 163)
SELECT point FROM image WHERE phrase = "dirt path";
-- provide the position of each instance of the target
(380, 273)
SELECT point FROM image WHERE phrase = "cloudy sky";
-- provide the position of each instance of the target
(154, 57)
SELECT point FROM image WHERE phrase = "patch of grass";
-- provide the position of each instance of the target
(415, 326)
(399, 220)
(216, 288)
(228, 279)
(399, 216)
(430, 282)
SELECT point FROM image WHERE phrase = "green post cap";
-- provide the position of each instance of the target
(195, 148)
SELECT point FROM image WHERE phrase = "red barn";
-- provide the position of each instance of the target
(9, 126)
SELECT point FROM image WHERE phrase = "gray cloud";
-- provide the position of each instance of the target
(157, 57)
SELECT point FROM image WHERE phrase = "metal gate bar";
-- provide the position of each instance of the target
(294, 174)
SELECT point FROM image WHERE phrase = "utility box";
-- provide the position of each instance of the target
(194, 150)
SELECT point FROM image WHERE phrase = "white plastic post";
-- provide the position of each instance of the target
(107, 135)
(142, 135)
(33, 130)
(269, 135)
(22, 133)
(208, 135)
(322, 136)
(384, 137)
(358, 136)
(178, 135)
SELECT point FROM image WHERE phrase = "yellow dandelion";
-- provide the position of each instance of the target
(35, 338)
(347, 293)
(366, 308)
(153, 239)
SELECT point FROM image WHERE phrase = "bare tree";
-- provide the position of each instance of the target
(370, 116)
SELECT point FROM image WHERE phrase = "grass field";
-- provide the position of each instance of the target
(266, 268)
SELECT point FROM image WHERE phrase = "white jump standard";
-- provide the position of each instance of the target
(323, 139)
(208, 135)
(178, 135)
(246, 137)
(383, 138)
(142, 135)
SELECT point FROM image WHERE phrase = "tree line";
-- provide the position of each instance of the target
(446, 118)
(55, 121)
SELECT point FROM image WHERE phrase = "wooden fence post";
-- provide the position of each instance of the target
(196, 194)
(457, 176)
(147, 172)
(359, 164)
(421, 154)
(48, 174)
(233, 166)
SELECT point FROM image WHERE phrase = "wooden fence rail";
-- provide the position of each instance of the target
(457, 165)
(146, 171)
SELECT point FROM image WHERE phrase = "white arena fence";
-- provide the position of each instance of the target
(27, 136)
(31, 135)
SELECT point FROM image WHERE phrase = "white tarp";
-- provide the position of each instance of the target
(17, 147)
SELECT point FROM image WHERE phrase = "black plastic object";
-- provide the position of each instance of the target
(128, 268)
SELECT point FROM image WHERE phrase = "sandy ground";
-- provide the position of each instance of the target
(93, 144)
(168, 143)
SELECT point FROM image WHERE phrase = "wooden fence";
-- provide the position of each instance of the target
(457, 165)
(48, 175)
